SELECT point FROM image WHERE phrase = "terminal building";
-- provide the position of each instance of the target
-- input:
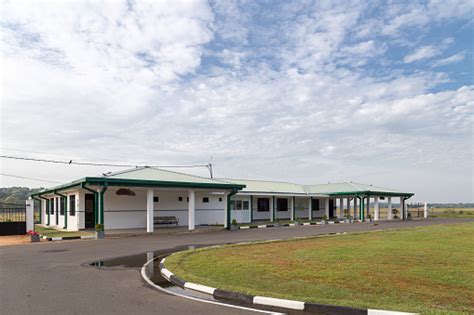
(149, 198)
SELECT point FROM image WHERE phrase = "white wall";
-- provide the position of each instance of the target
(122, 212)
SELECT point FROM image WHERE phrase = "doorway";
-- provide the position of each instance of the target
(89, 211)
(331, 208)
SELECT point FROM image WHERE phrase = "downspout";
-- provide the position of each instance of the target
(233, 192)
(251, 208)
(40, 217)
(83, 186)
(65, 207)
(101, 194)
(48, 209)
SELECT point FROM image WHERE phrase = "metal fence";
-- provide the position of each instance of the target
(12, 212)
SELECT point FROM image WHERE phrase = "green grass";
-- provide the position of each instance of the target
(426, 269)
(452, 213)
(49, 232)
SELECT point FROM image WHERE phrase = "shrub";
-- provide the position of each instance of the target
(99, 227)
(234, 222)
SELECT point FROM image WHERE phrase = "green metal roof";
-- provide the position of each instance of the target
(148, 177)
(264, 186)
(350, 188)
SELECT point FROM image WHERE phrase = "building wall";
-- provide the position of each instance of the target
(123, 212)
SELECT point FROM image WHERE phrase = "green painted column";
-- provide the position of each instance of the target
(361, 209)
(48, 206)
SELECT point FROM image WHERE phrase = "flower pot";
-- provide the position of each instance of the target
(234, 227)
(35, 238)
(100, 235)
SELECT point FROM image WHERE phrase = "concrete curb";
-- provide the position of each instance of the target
(249, 300)
(271, 225)
(67, 238)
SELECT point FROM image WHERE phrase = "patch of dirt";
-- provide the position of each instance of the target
(14, 240)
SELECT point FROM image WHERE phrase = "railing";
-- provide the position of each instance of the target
(12, 212)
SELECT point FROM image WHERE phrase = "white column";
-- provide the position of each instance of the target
(310, 209)
(402, 207)
(191, 210)
(226, 205)
(341, 207)
(349, 206)
(389, 214)
(150, 208)
(367, 209)
(30, 214)
(356, 209)
(425, 210)
(292, 209)
(376, 208)
(272, 213)
(326, 207)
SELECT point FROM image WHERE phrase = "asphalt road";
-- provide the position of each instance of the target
(48, 278)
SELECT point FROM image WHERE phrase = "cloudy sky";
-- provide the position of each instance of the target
(309, 92)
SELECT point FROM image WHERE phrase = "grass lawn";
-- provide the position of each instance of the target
(426, 269)
(49, 232)
(452, 213)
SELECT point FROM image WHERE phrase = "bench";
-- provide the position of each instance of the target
(165, 220)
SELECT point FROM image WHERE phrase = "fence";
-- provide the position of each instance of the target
(12, 219)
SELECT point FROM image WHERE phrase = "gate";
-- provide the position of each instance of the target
(12, 219)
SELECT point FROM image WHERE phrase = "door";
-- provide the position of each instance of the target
(331, 208)
(89, 211)
(246, 211)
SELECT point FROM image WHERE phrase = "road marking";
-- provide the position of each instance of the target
(263, 300)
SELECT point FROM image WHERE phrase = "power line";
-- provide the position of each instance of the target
(71, 162)
(31, 178)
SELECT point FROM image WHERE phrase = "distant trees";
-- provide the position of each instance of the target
(16, 195)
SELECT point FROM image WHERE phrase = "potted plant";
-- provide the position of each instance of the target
(233, 225)
(395, 212)
(409, 216)
(99, 231)
(35, 237)
(324, 219)
(370, 218)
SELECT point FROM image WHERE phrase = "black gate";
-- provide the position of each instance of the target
(12, 219)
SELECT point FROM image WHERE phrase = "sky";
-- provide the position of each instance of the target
(376, 92)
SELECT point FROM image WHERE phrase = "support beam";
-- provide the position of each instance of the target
(30, 214)
(326, 207)
(310, 208)
(191, 210)
(251, 209)
(292, 209)
(361, 209)
(341, 207)
(150, 209)
(425, 210)
(356, 209)
(403, 215)
(368, 207)
(376, 208)
(349, 206)
(389, 206)
(272, 209)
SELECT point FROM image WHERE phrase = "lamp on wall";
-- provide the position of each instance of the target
(125, 192)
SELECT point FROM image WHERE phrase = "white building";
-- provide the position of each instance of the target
(137, 197)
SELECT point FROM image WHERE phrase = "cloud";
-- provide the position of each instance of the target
(424, 52)
(449, 60)
(309, 92)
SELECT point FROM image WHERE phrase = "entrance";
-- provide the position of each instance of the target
(89, 211)
(240, 210)
(331, 208)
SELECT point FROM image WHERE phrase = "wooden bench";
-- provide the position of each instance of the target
(165, 220)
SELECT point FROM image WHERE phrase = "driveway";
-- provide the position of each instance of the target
(48, 278)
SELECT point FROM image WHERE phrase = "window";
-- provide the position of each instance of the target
(180, 198)
(205, 199)
(263, 205)
(61, 205)
(156, 199)
(52, 206)
(220, 199)
(72, 205)
(282, 204)
(315, 204)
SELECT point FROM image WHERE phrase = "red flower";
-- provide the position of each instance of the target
(31, 232)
